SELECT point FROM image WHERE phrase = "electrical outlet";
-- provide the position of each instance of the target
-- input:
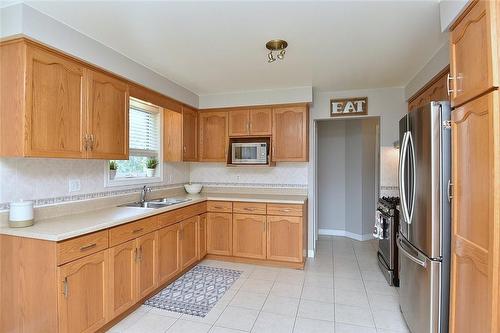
(74, 185)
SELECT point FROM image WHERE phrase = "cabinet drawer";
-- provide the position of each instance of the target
(249, 208)
(169, 218)
(220, 206)
(132, 230)
(284, 210)
(82, 246)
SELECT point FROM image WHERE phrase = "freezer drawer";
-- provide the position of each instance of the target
(420, 290)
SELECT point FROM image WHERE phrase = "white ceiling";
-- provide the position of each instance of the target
(219, 47)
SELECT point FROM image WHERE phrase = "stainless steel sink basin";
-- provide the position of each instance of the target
(157, 203)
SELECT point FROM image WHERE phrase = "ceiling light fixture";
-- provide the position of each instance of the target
(278, 46)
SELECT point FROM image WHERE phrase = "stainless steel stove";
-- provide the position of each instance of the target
(385, 230)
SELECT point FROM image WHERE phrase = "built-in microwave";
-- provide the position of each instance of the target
(249, 152)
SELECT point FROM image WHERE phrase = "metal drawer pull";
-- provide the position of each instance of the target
(138, 230)
(88, 247)
(287, 210)
(249, 208)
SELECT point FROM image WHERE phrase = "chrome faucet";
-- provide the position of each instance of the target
(145, 190)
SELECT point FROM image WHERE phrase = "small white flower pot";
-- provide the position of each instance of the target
(150, 172)
(112, 174)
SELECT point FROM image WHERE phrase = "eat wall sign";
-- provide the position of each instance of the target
(348, 106)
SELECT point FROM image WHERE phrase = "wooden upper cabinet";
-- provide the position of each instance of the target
(172, 134)
(122, 284)
(475, 229)
(108, 107)
(213, 132)
(260, 121)
(250, 122)
(83, 287)
(146, 276)
(239, 122)
(189, 236)
(55, 106)
(249, 236)
(474, 58)
(435, 90)
(290, 134)
(169, 253)
(189, 134)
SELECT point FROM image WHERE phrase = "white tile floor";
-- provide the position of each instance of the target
(341, 290)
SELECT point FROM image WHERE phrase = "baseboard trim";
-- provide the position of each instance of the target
(334, 232)
(310, 253)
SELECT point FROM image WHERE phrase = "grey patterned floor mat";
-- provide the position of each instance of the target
(195, 292)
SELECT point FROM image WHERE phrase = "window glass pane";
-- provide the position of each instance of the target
(135, 166)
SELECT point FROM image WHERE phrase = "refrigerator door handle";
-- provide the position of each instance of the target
(414, 178)
(406, 250)
(402, 184)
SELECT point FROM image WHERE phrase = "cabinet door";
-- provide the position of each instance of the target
(239, 122)
(108, 103)
(284, 238)
(172, 132)
(260, 121)
(82, 299)
(473, 57)
(290, 141)
(189, 137)
(213, 136)
(202, 236)
(55, 105)
(146, 264)
(475, 223)
(122, 284)
(219, 233)
(189, 233)
(249, 236)
(168, 253)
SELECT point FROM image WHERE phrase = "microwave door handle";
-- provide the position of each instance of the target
(402, 171)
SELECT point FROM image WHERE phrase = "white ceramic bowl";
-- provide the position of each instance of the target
(193, 188)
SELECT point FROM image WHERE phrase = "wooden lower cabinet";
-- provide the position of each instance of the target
(83, 286)
(475, 216)
(202, 236)
(249, 236)
(220, 233)
(284, 238)
(122, 284)
(146, 264)
(169, 264)
(189, 236)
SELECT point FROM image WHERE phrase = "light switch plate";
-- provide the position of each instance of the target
(74, 185)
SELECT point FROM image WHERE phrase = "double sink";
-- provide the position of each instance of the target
(156, 203)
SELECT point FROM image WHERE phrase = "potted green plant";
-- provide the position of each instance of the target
(113, 166)
(151, 165)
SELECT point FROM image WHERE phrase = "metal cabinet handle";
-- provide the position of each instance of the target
(185, 149)
(137, 230)
(450, 193)
(448, 85)
(287, 210)
(88, 247)
(65, 287)
(251, 209)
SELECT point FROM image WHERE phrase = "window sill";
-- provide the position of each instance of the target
(131, 181)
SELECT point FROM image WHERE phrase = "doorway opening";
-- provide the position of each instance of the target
(348, 164)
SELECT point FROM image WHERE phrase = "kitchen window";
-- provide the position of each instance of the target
(144, 148)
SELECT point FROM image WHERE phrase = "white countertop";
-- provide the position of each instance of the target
(68, 226)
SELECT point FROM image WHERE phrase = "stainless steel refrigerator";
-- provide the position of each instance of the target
(424, 229)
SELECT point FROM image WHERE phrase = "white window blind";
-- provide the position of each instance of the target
(144, 132)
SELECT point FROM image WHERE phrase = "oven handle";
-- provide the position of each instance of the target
(405, 249)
